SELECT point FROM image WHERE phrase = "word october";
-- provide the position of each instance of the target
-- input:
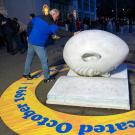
(63, 128)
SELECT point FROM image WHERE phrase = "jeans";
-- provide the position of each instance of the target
(41, 53)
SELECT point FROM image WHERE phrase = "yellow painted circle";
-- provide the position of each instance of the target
(23, 113)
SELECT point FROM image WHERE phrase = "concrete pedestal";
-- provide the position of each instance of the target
(98, 92)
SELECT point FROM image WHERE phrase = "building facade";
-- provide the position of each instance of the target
(22, 8)
(84, 8)
(87, 8)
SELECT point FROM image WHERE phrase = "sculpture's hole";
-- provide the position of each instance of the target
(91, 56)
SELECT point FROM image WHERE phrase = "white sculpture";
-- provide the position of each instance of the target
(94, 52)
(91, 53)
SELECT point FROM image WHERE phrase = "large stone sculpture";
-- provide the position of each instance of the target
(94, 52)
(90, 55)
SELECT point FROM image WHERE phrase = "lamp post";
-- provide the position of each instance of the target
(46, 9)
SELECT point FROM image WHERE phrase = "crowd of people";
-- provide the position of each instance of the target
(104, 23)
(12, 35)
(15, 38)
(34, 38)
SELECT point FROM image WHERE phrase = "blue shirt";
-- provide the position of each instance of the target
(42, 27)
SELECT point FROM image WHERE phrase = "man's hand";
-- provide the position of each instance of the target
(55, 37)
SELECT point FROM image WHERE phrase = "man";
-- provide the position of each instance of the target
(16, 36)
(8, 33)
(11, 33)
(39, 31)
(2, 39)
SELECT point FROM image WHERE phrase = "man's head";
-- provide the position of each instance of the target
(15, 19)
(31, 16)
(55, 14)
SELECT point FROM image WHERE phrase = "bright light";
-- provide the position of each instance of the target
(46, 9)
(74, 14)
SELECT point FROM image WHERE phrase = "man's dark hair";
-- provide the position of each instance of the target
(32, 15)
(1, 15)
(15, 19)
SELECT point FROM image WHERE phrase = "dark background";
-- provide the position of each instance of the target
(108, 8)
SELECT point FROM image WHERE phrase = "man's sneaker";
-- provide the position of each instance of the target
(52, 78)
(28, 77)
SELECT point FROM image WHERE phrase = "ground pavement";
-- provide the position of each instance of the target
(11, 69)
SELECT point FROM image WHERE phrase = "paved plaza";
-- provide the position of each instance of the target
(11, 69)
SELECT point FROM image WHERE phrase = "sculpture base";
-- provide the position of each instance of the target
(95, 92)
(120, 72)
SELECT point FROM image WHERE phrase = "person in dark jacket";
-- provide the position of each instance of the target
(11, 33)
(8, 33)
(2, 38)
(16, 36)
(39, 30)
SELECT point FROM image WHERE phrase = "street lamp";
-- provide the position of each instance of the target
(46, 9)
